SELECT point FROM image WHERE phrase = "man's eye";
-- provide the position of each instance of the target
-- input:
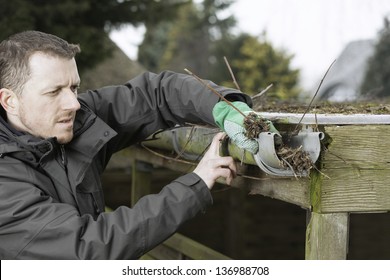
(74, 89)
(54, 92)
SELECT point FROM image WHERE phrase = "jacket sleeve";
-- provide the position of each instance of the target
(35, 226)
(151, 102)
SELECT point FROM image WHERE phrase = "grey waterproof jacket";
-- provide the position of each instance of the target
(51, 200)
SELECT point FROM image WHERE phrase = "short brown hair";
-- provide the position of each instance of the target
(15, 53)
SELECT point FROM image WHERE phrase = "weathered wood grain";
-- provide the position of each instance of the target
(291, 190)
(357, 169)
(327, 236)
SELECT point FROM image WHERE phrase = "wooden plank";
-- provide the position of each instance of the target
(179, 247)
(148, 257)
(327, 236)
(366, 192)
(163, 252)
(291, 190)
(357, 169)
(193, 249)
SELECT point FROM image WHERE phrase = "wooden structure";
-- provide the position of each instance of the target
(353, 174)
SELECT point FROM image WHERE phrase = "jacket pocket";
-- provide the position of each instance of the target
(90, 203)
(90, 197)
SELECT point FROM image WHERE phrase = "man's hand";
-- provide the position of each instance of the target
(232, 122)
(212, 166)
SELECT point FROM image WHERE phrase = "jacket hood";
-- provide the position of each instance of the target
(12, 140)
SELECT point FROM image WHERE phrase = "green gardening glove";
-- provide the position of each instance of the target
(232, 122)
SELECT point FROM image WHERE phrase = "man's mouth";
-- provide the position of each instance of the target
(65, 121)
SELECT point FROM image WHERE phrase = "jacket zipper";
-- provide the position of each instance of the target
(63, 156)
(95, 204)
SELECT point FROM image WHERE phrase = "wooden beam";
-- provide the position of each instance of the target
(193, 249)
(327, 236)
(291, 190)
(181, 247)
(250, 178)
(357, 169)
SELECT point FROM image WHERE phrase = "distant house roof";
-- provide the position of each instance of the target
(345, 77)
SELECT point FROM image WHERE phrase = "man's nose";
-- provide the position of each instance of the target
(70, 101)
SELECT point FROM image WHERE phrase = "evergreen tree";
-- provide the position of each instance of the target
(256, 64)
(86, 22)
(187, 45)
(377, 78)
(198, 40)
(226, 47)
(153, 46)
(188, 39)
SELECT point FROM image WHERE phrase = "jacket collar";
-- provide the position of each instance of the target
(12, 140)
(89, 139)
(90, 135)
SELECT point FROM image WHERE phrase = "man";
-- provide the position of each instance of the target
(54, 144)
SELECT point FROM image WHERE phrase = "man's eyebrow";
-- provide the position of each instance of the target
(59, 86)
(51, 88)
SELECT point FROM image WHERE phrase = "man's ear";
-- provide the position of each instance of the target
(9, 101)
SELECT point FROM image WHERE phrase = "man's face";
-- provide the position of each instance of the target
(48, 104)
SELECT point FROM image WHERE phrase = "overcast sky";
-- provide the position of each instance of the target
(315, 31)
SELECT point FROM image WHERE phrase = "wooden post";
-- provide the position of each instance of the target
(327, 236)
(140, 180)
(234, 241)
